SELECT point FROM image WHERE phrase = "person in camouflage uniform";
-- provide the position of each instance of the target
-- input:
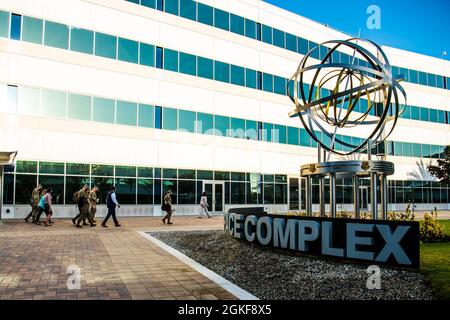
(83, 202)
(93, 200)
(35, 196)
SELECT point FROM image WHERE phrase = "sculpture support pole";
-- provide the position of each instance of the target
(308, 196)
(322, 196)
(333, 195)
(373, 195)
(356, 199)
(384, 196)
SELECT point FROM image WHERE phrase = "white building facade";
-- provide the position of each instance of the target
(151, 95)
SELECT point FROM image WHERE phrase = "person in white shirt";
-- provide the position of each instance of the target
(204, 205)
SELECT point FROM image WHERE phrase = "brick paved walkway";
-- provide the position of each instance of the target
(115, 263)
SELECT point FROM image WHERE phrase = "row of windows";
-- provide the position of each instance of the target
(218, 18)
(145, 186)
(64, 105)
(107, 46)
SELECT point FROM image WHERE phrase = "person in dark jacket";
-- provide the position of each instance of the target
(111, 203)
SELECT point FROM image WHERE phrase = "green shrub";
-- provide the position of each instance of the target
(431, 230)
(402, 216)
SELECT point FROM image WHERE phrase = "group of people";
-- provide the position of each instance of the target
(86, 200)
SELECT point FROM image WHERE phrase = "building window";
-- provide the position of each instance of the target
(56, 183)
(146, 54)
(237, 128)
(126, 113)
(128, 50)
(221, 19)
(158, 117)
(159, 57)
(221, 71)
(145, 116)
(26, 167)
(251, 130)
(25, 183)
(102, 170)
(237, 75)
(187, 121)
(148, 3)
(293, 136)
(170, 185)
(56, 35)
(170, 119)
(186, 192)
(32, 30)
(171, 6)
(205, 14)
(188, 64)
(258, 31)
(250, 28)
(259, 80)
(267, 82)
(103, 110)
(79, 107)
(160, 5)
(188, 9)
(82, 40)
(278, 38)
(250, 78)
(144, 191)
(4, 24)
(74, 184)
(237, 24)
(105, 45)
(78, 169)
(29, 101)
(16, 26)
(54, 103)
(279, 85)
(205, 123)
(291, 42)
(279, 134)
(221, 125)
(267, 34)
(205, 67)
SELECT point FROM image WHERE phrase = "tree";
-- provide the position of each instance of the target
(442, 169)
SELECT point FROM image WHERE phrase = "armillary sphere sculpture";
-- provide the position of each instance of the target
(332, 106)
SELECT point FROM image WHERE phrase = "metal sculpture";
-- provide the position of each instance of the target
(348, 82)
(322, 115)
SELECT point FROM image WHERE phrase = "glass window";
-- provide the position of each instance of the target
(26, 167)
(79, 107)
(56, 183)
(171, 6)
(159, 57)
(302, 46)
(221, 125)
(222, 175)
(250, 78)
(16, 26)
(316, 52)
(160, 5)
(158, 117)
(54, 103)
(205, 175)
(305, 138)
(25, 184)
(104, 185)
(29, 100)
(413, 76)
(170, 119)
(78, 169)
(279, 133)
(147, 54)
(187, 121)
(144, 191)
(431, 80)
(4, 24)
(237, 193)
(188, 9)
(422, 78)
(415, 113)
(221, 71)
(250, 28)
(170, 185)
(407, 149)
(266, 34)
(188, 64)
(148, 3)
(145, 172)
(237, 75)
(105, 45)
(439, 81)
(125, 171)
(267, 132)
(186, 174)
(293, 135)
(126, 190)
(278, 38)
(103, 110)
(56, 35)
(291, 42)
(126, 113)
(205, 123)
(146, 113)
(267, 82)
(424, 114)
(128, 50)
(258, 31)
(416, 150)
(433, 115)
(32, 30)
(281, 193)
(170, 173)
(221, 19)
(74, 184)
(205, 67)
(186, 192)
(251, 130)
(102, 170)
(237, 128)
(205, 14)
(82, 40)
(171, 60)
(269, 196)
(279, 85)
(441, 116)
(237, 24)
(51, 167)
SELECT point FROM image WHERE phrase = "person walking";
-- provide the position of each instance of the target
(34, 201)
(204, 205)
(111, 203)
(48, 207)
(41, 206)
(167, 206)
(83, 204)
(93, 200)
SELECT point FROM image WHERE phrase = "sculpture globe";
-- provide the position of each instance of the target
(351, 106)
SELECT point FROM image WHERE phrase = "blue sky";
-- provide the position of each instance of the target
(422, 26)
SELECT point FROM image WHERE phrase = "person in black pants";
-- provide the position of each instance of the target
(111, 203)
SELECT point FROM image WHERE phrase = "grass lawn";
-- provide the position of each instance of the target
(435, 264)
